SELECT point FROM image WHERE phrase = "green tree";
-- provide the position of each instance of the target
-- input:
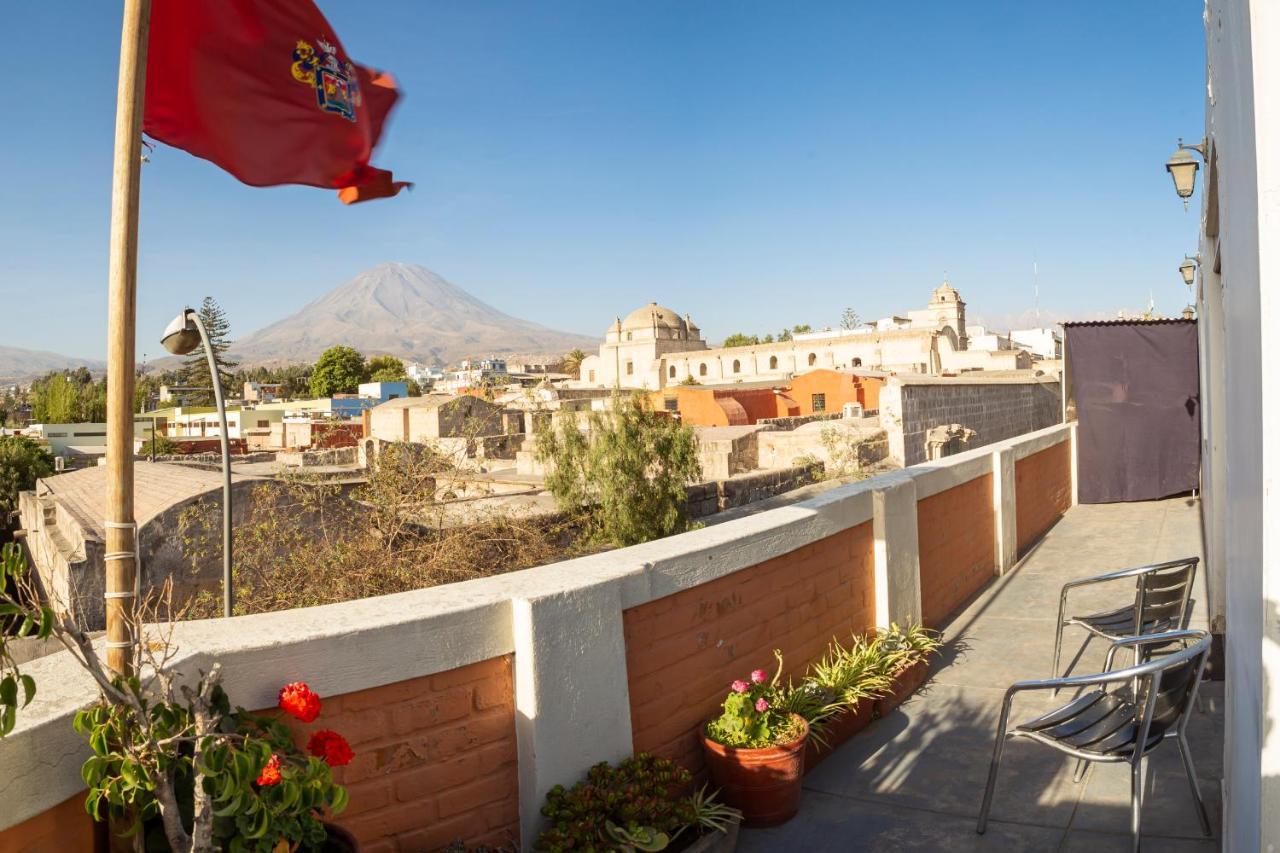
(22, 462)
(69, 397)
(801, 328)
(738, 339)
(388, 368)
(849, 319)
(626, 473)
(572, 362)
(195, 370)
(340, 370)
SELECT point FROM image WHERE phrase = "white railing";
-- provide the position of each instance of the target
(563, 622)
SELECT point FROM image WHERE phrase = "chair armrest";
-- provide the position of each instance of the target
(1186, 635)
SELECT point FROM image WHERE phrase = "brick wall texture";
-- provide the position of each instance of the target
(435, 759)
(957, 547)
(684, 650)
(1042, 483)
(66, 826)
(996, 411)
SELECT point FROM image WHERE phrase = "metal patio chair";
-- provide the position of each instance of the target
(1162, 602)
(1127, 713)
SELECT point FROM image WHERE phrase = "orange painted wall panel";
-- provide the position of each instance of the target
(684, 650)
(66, 826)
(1042, 483)
(957, 547)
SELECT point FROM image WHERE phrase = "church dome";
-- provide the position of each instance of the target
(652, 315)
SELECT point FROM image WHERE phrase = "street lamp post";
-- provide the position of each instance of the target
(181, 337)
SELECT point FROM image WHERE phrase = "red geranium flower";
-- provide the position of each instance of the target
(330, 746)
(270, 774)
(300, 700)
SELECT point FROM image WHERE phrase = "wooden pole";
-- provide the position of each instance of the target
(121, 559)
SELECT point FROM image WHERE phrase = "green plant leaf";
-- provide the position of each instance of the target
(28, 689)
(8, 690)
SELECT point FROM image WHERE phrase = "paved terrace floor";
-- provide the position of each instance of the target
(914, 779)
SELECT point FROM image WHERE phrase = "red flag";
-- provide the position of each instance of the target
(264, 89)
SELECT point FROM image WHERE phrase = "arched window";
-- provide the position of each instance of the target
(702, 369)
(737, 366)
(628, 336)
(671, 372)
(773, 362)
(813, 359)
(631, 368)
(857, 362)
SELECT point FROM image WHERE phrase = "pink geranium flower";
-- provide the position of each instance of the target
(739, 686)
(759, 676)
(762, 705)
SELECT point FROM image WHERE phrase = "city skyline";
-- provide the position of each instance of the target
(572, 163)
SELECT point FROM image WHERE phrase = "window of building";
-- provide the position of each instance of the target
(819, 402)
(630, 368)
(702, 369)
(591, 376)
(773, 362)
(813, 359)
(628, 336)
(263, 424)
(737, 366)
(671, 372)
(857, 362)
(671, 404)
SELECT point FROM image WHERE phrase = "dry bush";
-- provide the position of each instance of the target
(305, 544)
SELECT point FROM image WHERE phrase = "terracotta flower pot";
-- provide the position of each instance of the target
(838, 730)
(764, 784)
(339, 840)
(904, 684)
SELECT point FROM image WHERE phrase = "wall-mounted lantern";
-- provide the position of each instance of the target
(1182, 167)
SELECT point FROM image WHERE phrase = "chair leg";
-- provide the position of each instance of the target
(1057, 652)
(1081, 766)
(1135, 821)
(996, 755)
(1185, 749)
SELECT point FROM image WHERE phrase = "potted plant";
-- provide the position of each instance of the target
(904, 658)
(637, 805)
(755, 750)
(170, 758)
(841, 690)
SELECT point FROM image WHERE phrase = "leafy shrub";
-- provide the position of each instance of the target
(22, 462)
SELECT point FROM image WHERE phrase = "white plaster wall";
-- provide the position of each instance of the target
(1244, 131)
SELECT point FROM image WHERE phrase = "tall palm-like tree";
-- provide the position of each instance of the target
(573, 362)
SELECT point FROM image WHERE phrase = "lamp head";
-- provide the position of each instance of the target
(181, 336)
(1188, 270)
(1182, 167)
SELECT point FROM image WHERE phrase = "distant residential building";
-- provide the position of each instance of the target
(476, 372)
(180, 395)
(383, 391)
(422, 374)
(1045, 343)
(263, 392)
(433, 416)
(82, 439)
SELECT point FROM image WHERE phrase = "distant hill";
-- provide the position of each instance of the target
(20, 365)
(406, 311)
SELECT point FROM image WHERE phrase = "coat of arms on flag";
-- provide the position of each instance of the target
(337, 90)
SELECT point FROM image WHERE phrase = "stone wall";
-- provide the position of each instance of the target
(717, 495)
(995, 409)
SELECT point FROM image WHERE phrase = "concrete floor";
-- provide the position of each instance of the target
(914, 779)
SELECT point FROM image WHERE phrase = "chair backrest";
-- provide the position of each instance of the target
(1173, 679)
(1163, 600)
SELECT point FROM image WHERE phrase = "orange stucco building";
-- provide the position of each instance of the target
(743, 403)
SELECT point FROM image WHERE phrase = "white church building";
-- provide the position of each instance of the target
(653, 347)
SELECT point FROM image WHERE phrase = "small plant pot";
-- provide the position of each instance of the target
(339, 840)
(905, 682)
(715, 842)
(838, 730)
(764, 784)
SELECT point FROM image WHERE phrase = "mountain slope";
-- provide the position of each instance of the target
(21, 364)
(407, 311)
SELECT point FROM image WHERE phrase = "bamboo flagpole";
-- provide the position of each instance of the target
(121, 530)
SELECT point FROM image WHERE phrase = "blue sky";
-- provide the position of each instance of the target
(757, 164)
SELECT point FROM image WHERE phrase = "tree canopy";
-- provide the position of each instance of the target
(69, 397)
(626, 473)
(195, 369)
(339, 370)
(22, 462)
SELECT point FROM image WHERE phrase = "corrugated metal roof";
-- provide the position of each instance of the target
(1137, 321)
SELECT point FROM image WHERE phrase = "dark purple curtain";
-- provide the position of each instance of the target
(1137, 394)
